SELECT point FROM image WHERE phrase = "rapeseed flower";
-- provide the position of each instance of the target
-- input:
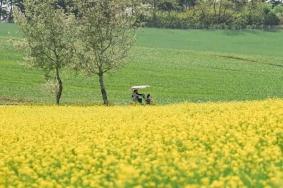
(236, 144)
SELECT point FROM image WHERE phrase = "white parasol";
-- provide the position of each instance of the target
(140, 87)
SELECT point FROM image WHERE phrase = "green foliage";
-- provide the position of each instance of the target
(278, 10)
(46, 33)
(47, 42)
(217, 14)
(90, 36)
(209, 13)
(105, 34)
(270, 18)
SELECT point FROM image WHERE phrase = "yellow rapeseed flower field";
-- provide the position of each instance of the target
(236, 144)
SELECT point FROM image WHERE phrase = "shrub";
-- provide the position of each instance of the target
(225, 16)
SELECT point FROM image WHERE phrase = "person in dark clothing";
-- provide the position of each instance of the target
(137, 97)
(149, 100)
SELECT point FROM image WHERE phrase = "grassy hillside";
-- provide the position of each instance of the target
(192, 65)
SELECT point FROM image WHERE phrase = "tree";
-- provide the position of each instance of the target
(164, 5)
(19, 4)
(3, 9)
(168, 5)
(7, 7)
(47, 32)
(10, 15)
(269, 17)
(187, 3)
(275, 2)
(105, 35)
(278, 10)
(156, 6)
(153, 8)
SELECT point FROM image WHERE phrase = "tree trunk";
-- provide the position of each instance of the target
(1, 4)
(103, 89)
(59, 88)
(219, 12)
(154, 17)
(10, 18)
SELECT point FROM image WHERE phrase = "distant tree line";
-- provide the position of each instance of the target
(233, 14)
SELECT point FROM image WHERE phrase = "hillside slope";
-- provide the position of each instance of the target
(180, 65)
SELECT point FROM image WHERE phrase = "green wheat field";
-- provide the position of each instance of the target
(180, 66)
